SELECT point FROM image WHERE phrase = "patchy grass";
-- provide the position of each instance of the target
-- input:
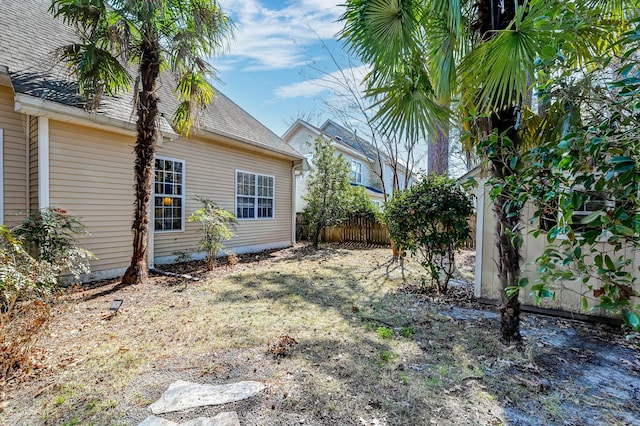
(364, 351)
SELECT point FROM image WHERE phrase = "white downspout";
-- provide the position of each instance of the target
(43, 162)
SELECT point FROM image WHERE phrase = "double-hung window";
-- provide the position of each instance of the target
(356, 171)
(254, 195)
(168, 199)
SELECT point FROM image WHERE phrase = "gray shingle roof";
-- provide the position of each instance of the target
(29, 35)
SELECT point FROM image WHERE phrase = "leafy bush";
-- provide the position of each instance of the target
(217, 224)
(430, 219)
(49, 234)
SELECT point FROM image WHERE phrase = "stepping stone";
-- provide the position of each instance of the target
(182, 395)
(229, 418)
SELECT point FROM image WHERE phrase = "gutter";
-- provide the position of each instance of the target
(31, 105)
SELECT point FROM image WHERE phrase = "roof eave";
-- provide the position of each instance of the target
(26, 104)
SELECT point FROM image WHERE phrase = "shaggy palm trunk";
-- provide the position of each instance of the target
(496, 15)
(147, 112)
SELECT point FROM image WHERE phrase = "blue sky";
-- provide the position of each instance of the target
(269, 69)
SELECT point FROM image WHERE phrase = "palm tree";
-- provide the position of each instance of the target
(120, 39)
(483, 55)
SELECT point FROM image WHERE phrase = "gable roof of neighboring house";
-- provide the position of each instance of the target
(342, 137)
(30, 35)
(348, 138)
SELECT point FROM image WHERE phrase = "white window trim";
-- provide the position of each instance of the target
(183, 197)
(353, 171)
(582, 213)
(255, 216)
(1, 176)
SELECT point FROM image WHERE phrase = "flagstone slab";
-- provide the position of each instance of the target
(182, 395)
(229, 418)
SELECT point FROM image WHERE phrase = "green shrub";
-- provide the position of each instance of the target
(360, 204)
(217, 224)
(49, 234)
(430, 220)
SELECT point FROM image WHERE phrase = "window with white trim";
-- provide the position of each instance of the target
(356, 171)
(592, 201)
(254, 195)
(168, 198)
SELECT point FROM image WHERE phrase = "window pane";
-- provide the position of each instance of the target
(245, 207)
(168, 190)
(265, 207)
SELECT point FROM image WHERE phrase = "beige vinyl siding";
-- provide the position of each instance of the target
(15, 177)
(91, 176)
(33, 163)
(210, 171)
(568, 297)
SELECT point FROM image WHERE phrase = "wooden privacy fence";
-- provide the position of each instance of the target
(362, 230)
(354, 229)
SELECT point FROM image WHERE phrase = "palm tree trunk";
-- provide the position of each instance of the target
(507, 214)
(508, 264)
(438, 155)
(147, 112)
(496, 15)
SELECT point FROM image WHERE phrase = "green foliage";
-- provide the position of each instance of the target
(384, 357)
(328, 189)
(50, 234)
(585, 180)
(360, 204)
(407, 332)
(430, 219)
(217, 224)
(384, 332)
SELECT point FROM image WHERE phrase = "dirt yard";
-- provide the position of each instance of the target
(370, 350)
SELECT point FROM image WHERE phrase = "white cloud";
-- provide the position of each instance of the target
(271, 38)
(331, 82)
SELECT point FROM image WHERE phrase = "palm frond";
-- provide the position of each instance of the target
(194, 93)
(380, 30)
(406, 104)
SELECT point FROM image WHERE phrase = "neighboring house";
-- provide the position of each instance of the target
(360, 154)
(568, 298)
(55, 153)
